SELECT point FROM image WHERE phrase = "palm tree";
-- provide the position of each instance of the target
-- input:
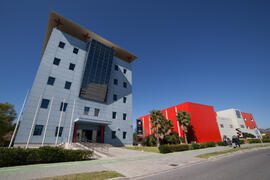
(183, 118)
(160, 125)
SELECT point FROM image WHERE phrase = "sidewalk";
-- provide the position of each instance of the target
(127, 162)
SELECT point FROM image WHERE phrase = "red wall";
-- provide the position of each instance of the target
(247, 118)
(203, 122)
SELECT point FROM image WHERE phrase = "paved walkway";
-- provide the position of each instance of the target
(127, 162)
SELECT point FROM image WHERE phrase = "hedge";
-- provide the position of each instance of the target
(167, 148)
(46, 154)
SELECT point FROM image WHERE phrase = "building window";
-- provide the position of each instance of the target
(44, 103)
(115, 97)
(251, 119)
(124, 99)
(61, 44)
(124, 135)
(86, 110)
(63, 107)
(245, 119)
(51, 80)
(113, 134)
(38, 130)
(56, 61)
(75, 50)
(116, 67)
(125, 71)
(238, 114)
(115, 81)
(231, 126)
(124, 116)
(124, 84)
(114, 115)
(60, 131)
(242, 126)
(67, 85)
(96, 112)
(71, 66)
(221, 125)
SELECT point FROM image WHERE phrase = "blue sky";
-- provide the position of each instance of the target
(209, 52)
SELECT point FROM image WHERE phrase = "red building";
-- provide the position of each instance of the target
(204, 127)
(249, 120)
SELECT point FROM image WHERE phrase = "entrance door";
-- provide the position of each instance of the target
(88, 135)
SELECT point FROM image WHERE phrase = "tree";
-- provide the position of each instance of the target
(7, 116)
(160, 125)
(183, 118)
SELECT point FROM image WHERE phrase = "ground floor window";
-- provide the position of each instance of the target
(60, 131)
(124, 135)
(38, 130)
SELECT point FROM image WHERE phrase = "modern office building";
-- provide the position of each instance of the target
(231, 120)
(206, 124)
(82, 90)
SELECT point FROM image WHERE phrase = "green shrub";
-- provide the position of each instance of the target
(251, 141)
(203, 145)
(248, 135)
(210, 144)
(173, 148)
(19, 156)
(195, 146)
(164, 149)
(242, 141)
(220, 143)
(266, 140)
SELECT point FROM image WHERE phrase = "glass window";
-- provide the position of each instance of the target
(86, 110)
(238, 114)
(124, 84)
(44, 103)
(56, 61)
(60, 131)
(124, 116)
(67, 85)
(124, 99)
(242, 126)
(251, 119)
(63, 107)
(61, 44)
(114, 115)
(113, 134)
(125, 71)
(38, 130)
(221, 125)
(116, 67)
(115, 97)
(96, 112)
(115, 81)
(71, 66)
(124, 135)
(51, 80)
(75, 50)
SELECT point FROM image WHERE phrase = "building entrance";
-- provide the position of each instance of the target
(88, 133)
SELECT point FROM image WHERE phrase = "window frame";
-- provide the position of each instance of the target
(61, 43)
(114, 115)
(96, 112)
(51, 81)
(75, 50)
(72, 66)
(60, 131)
(56, 61)
(38, 132)
(63, 106)
(68, 85)
(124, 116)
(86, 110)
(124, 135)
(44, 103)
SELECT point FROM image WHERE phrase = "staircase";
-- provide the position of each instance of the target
(100, 150)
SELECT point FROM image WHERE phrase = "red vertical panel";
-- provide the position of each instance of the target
(101, 134)
(172, 116)
(75, 132)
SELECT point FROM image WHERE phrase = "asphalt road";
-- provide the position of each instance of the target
(254, 165)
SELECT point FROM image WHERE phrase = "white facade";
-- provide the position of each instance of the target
(229, 120)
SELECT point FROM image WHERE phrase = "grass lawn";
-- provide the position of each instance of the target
(87, 176)
(208, 155)
(143, 148)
